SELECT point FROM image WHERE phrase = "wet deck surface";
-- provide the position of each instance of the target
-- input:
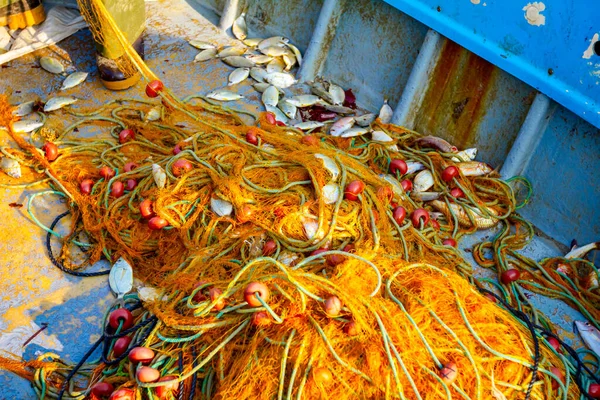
(32, 290)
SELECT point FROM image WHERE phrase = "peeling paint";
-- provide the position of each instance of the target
(12, 341)
(589, 52)
(533, 13)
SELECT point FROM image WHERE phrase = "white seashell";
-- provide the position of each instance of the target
(24, 109)
(153, 114)
(288, 109)
(275, 65)
(239, 28)
(52, 65)
(10, 167)
(465, 155)
(206, 55)
(380, 136)
(414, 166)
(281, 79)
(273, 51)
(253, 42)
(56, 103)
(353, 132)
(337, 94)
(258, 74)
(73, 80)
(311, 228)
(231, 52)
(159, 175)
(270, 96)
(341, 126)
(224, 95)
(331, 193)
(259, 58)
(202, 45)
(423, 181)
(221, 207)
(296, 52)
(279, 116)
(238, 75)
(272, 41)
(386, 112)
(365, 120)
(238, 62)
(26, 126)
(260, 86)
(305, 100)
(330, 165)
(308, 125)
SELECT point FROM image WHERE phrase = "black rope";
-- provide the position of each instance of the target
(532, 328)
(182, 383)
(77, 367)
(57, 263)
(195, 376)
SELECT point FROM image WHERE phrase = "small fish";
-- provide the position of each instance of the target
(205, 55)
(272, 41)
(159, 175)
(590, 335)
(261, 86)
(590, 281)
(337, 94)
(10, 167)
(288, 109)
(220, 207)
(120, 278)
(275, 65)
(224, 95)
(279, 116)
(238, 75)
(365, 120)
(380, 136)
(580, 252)
(56, 103)
(331, 193)
(481, 222)
(238, 62)
(341, 126)
(317, 88)
(239, 28)
(26, 126)
(52, 65)
(414, 166)
(202, 45)
(330, 165)
(296, 52)
(425, 196)
(259, 59)
(270, 96)
(396, 187)
(258, 74)
(465, 155)
(281, 79)
(304, 100)
(253, 42)
(153, 114)
(474, 168)
(273, 51)
(353, 132)
(385, 113)
(73, 80)
(289, 60)
(423, 181)
(231, 52)
(308, 125)
(24, 109)
(437, 143)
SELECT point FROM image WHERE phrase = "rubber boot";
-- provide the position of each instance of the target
(19, 14)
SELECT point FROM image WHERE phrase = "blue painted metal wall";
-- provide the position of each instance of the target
(549, 45)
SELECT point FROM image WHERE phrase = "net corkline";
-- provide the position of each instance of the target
(294, 265)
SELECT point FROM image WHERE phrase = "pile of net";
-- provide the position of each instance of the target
(280, 264)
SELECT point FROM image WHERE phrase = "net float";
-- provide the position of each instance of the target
(435, 224)
(181, 166)
(449, 173)
(419, 215)
(122, 394)
(554, 343)
(398, 166)
(157, 223)
(351, 329)
(86, 186)
(260, 318)
(333, 306)
(126, 135)
(50, 151)
(509, 276)
(167, 390)
(117, 189)
(270, 117)
(335, 259)
(141, 355)
(147, 374)
(594, 391)
(457, 193)
(244, 213)
(350, 248)
(399, 215)
(449, 373)
(353, 189)
(252, 290)
(559, 374)
(200, 296)
(252, 136)
(309, 140)
(130, 166)
(214, 294)
(118, 316)
(407, 185)
(317, 252)
(322, 376)
(147, 209)
(154, 88)
(107, 172)
(131, 184)
(102, 389)
(269, 248)
(449, 242)
(121, 345)
(177, 149)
